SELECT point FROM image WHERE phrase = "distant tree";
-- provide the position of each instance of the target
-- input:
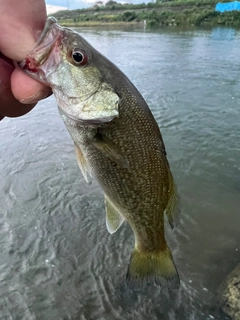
(110, 3)
(99, 4)
(161, 1)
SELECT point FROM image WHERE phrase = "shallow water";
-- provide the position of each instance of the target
(57, 260)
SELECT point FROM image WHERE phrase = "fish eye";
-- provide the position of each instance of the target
(79, 57)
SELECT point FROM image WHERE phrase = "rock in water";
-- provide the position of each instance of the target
(229, 294)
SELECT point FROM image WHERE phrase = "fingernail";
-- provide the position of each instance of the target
(40, 95)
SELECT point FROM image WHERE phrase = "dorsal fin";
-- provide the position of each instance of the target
(173, 208)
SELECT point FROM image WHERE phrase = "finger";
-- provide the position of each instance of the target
(9, 106)
(26, 89)
(20, 22)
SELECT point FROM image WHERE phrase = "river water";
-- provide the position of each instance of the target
(57, 260)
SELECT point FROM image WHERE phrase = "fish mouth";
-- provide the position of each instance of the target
(45, 55)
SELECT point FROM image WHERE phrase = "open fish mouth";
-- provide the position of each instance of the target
(45, 55)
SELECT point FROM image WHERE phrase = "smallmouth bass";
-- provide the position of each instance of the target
(117, 141)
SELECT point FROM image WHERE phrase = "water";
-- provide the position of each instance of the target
(57, 260)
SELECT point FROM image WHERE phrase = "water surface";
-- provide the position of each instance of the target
(57, 260)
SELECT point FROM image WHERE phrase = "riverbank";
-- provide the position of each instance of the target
(154, 14)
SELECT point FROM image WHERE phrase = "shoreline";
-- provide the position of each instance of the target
(142, 25)
(103, 24)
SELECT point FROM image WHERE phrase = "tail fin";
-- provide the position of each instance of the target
(154, 267)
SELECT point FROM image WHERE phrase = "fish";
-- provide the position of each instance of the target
(117, 142)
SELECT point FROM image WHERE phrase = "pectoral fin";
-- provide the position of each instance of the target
(82, 163)
(111, 150)
(173, 208)
(114, 219)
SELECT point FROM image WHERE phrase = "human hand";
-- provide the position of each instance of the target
(20, 22)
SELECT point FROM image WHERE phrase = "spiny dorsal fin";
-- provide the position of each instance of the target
(114, 219)
(173, 208)
(82, 163)
(110, 149)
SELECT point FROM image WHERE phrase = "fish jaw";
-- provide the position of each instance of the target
(46, 54)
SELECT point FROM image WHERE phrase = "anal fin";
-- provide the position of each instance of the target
(82, 163)
(114, 219)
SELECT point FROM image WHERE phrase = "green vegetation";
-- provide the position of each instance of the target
(181, 12)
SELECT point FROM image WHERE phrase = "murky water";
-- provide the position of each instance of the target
(57, 260)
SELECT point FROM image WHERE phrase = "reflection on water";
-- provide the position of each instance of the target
(57, 260)
(223, 33)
